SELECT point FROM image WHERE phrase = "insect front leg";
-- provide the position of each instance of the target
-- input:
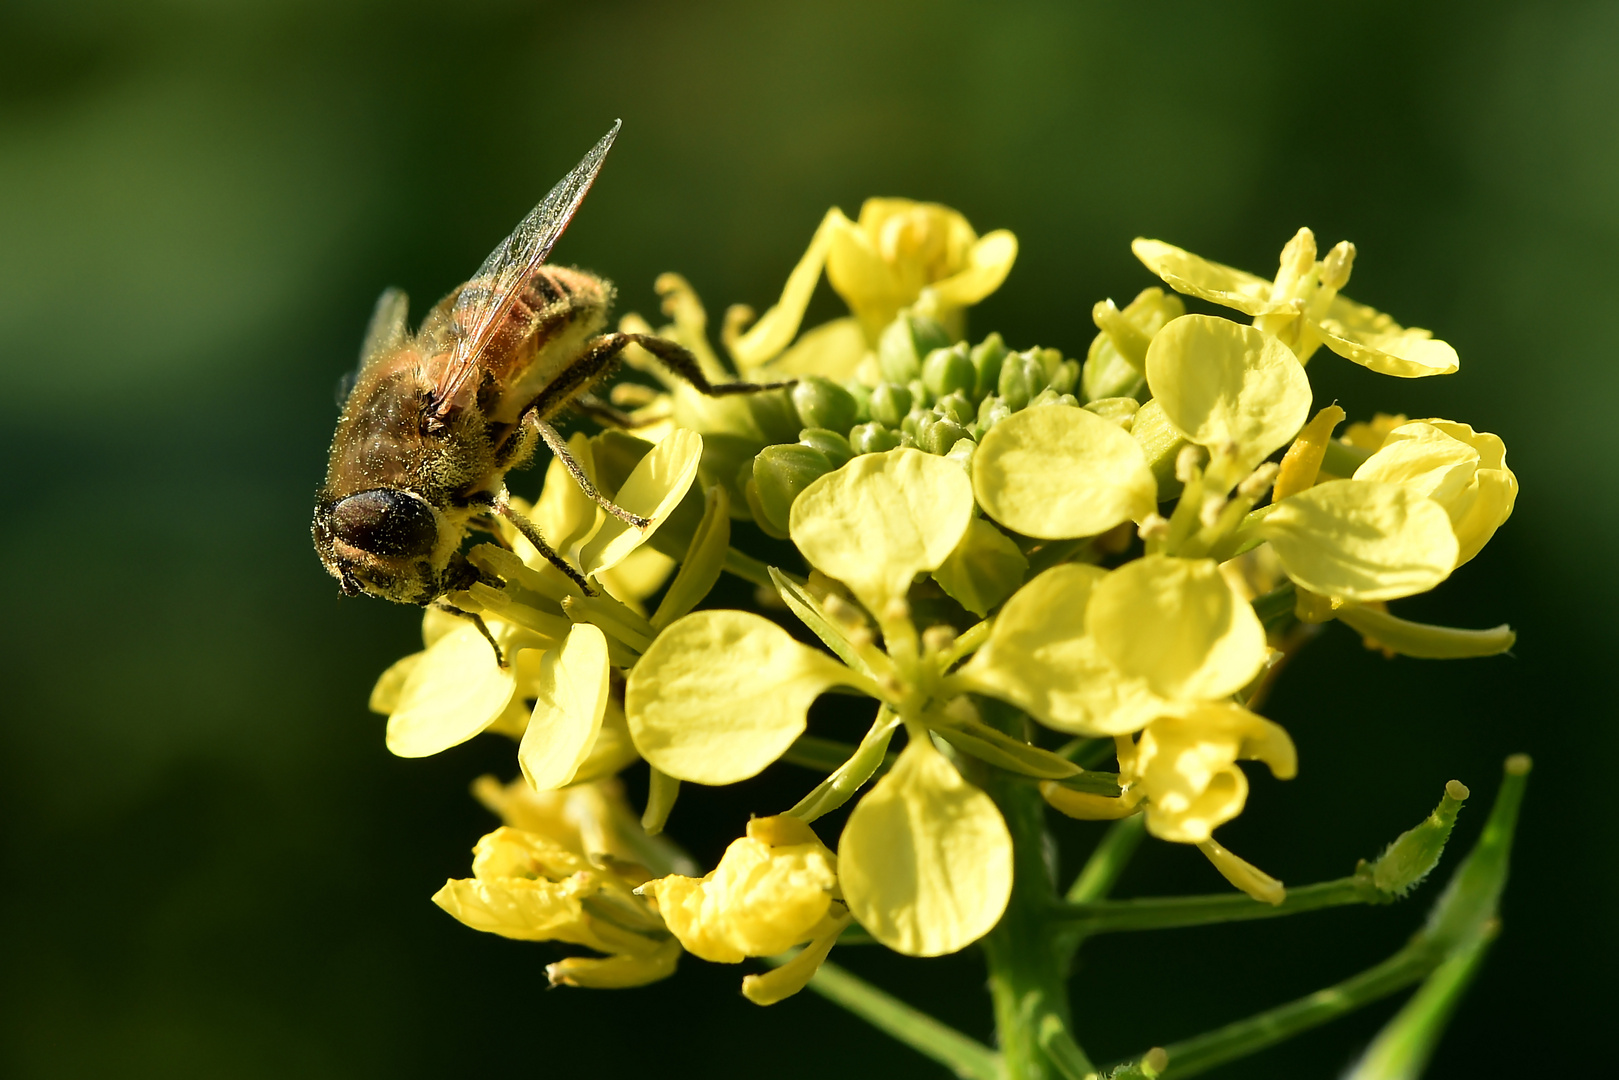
(501, 504)
(560, 449)
(477, 620)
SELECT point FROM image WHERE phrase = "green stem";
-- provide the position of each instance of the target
(967, 1058)
(1101, 871)
(748, 568)
(1163, 913)
(1026, 974)
(1203, 1052)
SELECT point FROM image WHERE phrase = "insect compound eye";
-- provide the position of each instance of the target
(385, 522)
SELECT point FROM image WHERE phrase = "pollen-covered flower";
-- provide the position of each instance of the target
(1302, 307)
(563, 869)
(898, 254)
(550, 682)
(775, 888)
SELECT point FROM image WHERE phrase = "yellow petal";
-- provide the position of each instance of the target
(1228, 387)
(1057, 473)
(652, 490)
(1211, 281)
(453, 692)
(1244, 874)
(795, 974)
(761, 900)
(834, 350)
(1041, 658)
(515, 908)
(615, 972)
(1361, 541)
(1185, 767)
(721, 694)
(1461, 469)
(882, 519)
(1179, 625)
(988, 262)
(926, 860)
(776, 327)
(565, 515)
(1374, 340)
(570, 700)
(385, 694)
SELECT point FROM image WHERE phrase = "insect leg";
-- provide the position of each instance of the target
(477, 620)
(531, 532)
(575, 470)
(680, 361)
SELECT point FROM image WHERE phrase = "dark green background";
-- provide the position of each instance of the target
(214, 869)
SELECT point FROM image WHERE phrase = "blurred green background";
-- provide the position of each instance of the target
(214, 869)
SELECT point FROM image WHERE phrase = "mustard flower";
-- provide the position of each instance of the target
(774, 888)
(898, 254)
(1302, 306)
(564, 869)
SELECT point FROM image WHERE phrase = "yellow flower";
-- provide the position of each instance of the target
(925, 857)
(1301, 306)
(1463, 470)
(775, 888)
(557, 645)
(898, 254)
(567, 875)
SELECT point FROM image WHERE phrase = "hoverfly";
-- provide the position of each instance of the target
(437, 418)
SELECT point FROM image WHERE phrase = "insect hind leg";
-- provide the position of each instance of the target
(575, 470)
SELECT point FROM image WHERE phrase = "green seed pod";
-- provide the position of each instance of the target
(958, 407)
(781, 472)
(822, 403)
(872, 438)
(947, 371)
(986, 359)
(889, 403)
(834, 446)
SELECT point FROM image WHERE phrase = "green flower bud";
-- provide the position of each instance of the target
(914, 418)
(1051, 396)
(946, 371)
(921, 396)
(862, 400)
(986, 359)
(834, 446)
(991, 411)
(905, 342)
(872, 438)
(1120, 410)
(936, 434)
(889, 403)
(773, 411)
(724, 457)
(907, 440)
(958, 407)
(1022, 376)
(962, 453)
(780, 473)
(1066, 377)
(822, 403)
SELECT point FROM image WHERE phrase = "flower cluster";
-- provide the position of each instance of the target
(1028, 565)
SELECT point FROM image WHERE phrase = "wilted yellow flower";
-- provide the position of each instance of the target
(775, 888)
(1463, 470)
(1301, 306)
(898, 254)
(568, 876)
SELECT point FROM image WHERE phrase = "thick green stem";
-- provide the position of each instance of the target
(1026, 974)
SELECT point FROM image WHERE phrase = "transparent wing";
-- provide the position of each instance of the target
(489, 296)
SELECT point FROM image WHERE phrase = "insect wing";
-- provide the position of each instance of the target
(383, 334)
(487, 299)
